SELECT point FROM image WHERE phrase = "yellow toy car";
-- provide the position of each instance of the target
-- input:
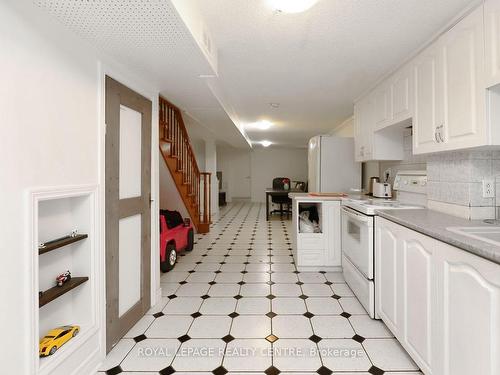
(56, 338)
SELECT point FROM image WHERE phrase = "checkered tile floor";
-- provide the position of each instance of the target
(237, 305)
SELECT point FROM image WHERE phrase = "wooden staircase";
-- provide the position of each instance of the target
(176, 149)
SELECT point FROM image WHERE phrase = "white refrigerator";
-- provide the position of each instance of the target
(331, 165)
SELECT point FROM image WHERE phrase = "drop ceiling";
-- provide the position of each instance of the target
(314, 64)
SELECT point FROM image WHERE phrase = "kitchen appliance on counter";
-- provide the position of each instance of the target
(358, 232)
(331, 165)
(371, 182)
(382, 190)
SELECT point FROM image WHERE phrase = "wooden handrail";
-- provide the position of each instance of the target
(182, 164)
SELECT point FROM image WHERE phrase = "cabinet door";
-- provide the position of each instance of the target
(358, 134)
(463, 64)
(469, 292)
(331, 212)
(492, 41)
(387, 275)
(382, 99)
(402, 95)
(417, 298)
(428, 108)
(363, 123)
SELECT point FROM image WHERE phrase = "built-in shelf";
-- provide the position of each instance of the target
(57, 291)
(52, 245)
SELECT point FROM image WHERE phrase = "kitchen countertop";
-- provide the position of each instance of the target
(434, 224)
(309, 197)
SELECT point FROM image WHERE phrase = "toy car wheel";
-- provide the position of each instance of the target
(169, 262)
(75, 332)
(190, 243)
(52, 350)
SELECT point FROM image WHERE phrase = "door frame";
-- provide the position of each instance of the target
(148, 90)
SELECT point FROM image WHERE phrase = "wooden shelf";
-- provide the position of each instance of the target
(52, 245)
(57, 291)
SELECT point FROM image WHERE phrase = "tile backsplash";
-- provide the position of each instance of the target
(456, 177)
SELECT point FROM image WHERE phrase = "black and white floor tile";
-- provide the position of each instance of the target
(237, 305)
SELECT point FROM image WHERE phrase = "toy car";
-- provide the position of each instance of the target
(176, 235)
(63, 277)
(56, 338)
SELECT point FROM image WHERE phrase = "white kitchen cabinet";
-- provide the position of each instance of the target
(369, 144)
(469, 313)
(449, 95)
(382, 97)
(393, 99)
(403, 289)
(441, 302)
(428, 100)
(492, 42)
(463, 69)
(363, 129)
(317, 251)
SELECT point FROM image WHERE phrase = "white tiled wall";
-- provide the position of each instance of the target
(456, 177)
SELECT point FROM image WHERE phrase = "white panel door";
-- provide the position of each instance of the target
(492, 42)
(463, 62)
(383, 106)
(428, 104)
(387, 275)
(402, 95)
(417, 294)
(470, 298)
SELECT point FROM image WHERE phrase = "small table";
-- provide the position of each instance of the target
(277, 192)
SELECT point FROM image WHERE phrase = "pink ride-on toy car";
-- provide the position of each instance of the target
(176, 235)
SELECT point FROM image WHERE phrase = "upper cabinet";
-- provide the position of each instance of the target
(370, 144)
(449, 93)
(492, 42)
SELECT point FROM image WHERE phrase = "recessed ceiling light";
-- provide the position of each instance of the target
(264, 124)
(274, 105)
(266, 143)
(292, 6)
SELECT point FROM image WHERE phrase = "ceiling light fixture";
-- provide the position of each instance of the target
(264, 124)
(274, 105)
(266, 143)
(292, 6)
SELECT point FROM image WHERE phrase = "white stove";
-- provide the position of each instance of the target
(368, 206)
(358, 232)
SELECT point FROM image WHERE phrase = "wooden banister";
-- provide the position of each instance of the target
(181, 161)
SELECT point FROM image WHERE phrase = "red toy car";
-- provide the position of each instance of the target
(176, 235)
(63, 277)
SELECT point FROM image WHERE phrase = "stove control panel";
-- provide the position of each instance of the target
(411, 181)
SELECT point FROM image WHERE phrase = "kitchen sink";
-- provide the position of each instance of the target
(486, 234)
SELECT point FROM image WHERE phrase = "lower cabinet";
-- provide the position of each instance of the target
(442, 303)
(317, 251)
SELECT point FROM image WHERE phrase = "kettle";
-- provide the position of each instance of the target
(372, 181)
(382, 190)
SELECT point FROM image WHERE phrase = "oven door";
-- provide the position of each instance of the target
(357, 240)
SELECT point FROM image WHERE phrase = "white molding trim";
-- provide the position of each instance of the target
(34, 197)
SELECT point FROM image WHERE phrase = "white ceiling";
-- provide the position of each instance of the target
(313, 63)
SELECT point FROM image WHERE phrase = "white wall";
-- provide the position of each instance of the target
(52, 134)
(346, 129)
(267, 163)
(263, 164)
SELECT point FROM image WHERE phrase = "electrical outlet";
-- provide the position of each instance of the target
(489, 188)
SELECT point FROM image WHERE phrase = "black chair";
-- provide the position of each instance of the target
(281, 200)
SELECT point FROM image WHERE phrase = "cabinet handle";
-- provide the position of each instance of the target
(440, 133)
(436, 135)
